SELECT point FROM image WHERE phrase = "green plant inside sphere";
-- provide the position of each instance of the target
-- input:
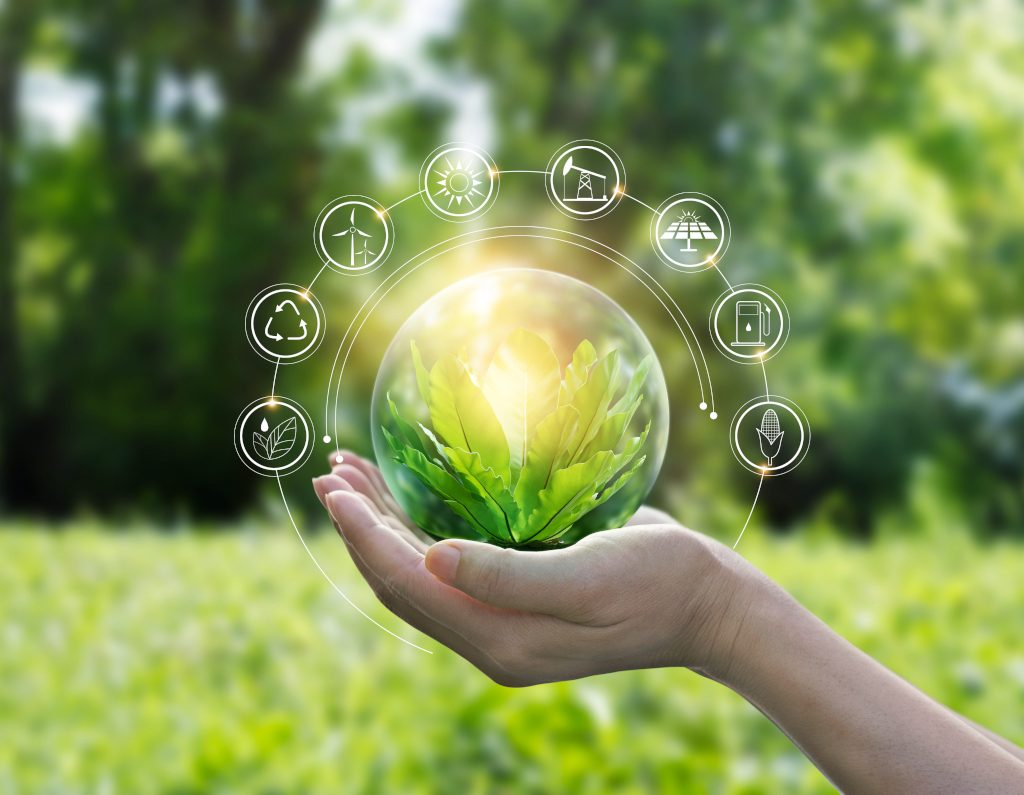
(520, 407)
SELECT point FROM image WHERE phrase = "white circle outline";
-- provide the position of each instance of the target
(610, 155)
(285, 469)
(346, 201)
(493, 182)
(769, 351)
(723, 242)
(253, 337)
(801, 420)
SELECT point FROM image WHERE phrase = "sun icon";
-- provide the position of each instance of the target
(688, 216)
(459, 182)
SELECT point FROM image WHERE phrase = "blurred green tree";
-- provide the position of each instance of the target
(862, 152)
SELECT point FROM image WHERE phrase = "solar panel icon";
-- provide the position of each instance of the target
(688, 227)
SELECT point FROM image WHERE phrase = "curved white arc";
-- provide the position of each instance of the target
(334, 585)
(404, 270)
(753, 505)
(344, 363)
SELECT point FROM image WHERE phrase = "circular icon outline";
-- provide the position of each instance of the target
(771, 401)
(354, 200)
(493, 182)
(768, 351)
(724, 239)
(295, 462)
(252, 335)
(551, 174)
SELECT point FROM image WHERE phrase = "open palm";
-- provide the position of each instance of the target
(652, 593)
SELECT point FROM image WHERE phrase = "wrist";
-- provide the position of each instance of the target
(751, 614)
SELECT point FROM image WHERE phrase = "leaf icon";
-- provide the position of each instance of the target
(259, 443)
(276, 444)
(282, 439)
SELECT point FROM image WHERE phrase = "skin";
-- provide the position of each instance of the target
(654, 594)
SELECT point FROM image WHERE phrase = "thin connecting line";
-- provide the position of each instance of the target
(752, 506)
(519, 171)
(407, 263)
(273, 384)
(764, 372)
(345, 339)
(322, 269)
(638, 201)
(720, 273)
(334, 585)
(403, 201)
(351, 343)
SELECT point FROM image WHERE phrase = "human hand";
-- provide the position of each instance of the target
(647, 595)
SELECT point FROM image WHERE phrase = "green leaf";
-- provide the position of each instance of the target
(463, 418)
(547, 446)
(610, 490)
(628, 452)
(522, 384)
(488, 486)
(576, 373)
(591, 401)
(406, 432)
(555, 503)
(569, 452)
(481, 515)
(636, 383)
(609, 435)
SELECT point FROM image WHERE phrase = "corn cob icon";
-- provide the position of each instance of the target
(770, 435)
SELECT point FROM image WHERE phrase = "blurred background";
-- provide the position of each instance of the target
(162, 162)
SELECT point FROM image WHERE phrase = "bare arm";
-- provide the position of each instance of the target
(654, 594)
(863, 726)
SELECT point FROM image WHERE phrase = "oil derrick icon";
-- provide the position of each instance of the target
(584, 183)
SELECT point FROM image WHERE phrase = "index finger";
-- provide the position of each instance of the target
(402, 571)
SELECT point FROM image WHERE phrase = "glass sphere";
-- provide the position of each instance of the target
(520, 407)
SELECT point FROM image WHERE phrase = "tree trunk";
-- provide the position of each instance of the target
(15, 25)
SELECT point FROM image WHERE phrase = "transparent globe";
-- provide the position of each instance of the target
(520, 407)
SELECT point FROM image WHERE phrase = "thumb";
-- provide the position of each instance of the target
(536, 582)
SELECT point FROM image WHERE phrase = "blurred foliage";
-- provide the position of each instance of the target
(179, 663)
(869, 156)
(162, 162)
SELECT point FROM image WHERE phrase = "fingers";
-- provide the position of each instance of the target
(354, 463)
(555, 582)
(401, 568)
(375, 487)
(398, 603)
(326, 484)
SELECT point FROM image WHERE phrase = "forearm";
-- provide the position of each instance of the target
(867, 729)
(1014, 750)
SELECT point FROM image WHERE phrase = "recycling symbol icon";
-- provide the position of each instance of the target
(270, 332)
(285, 323)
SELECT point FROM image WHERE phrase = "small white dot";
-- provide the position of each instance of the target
(327, 440)
(703, 406)
(713, 415)
(339, 458)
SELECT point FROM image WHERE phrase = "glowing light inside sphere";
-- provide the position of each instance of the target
(522, 343)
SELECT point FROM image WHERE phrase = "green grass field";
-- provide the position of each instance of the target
(138, 662)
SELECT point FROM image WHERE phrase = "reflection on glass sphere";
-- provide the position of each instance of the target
(520, 407)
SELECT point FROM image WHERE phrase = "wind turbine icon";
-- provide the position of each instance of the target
(352, 231)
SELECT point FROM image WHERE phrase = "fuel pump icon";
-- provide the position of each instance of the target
(753, 324)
